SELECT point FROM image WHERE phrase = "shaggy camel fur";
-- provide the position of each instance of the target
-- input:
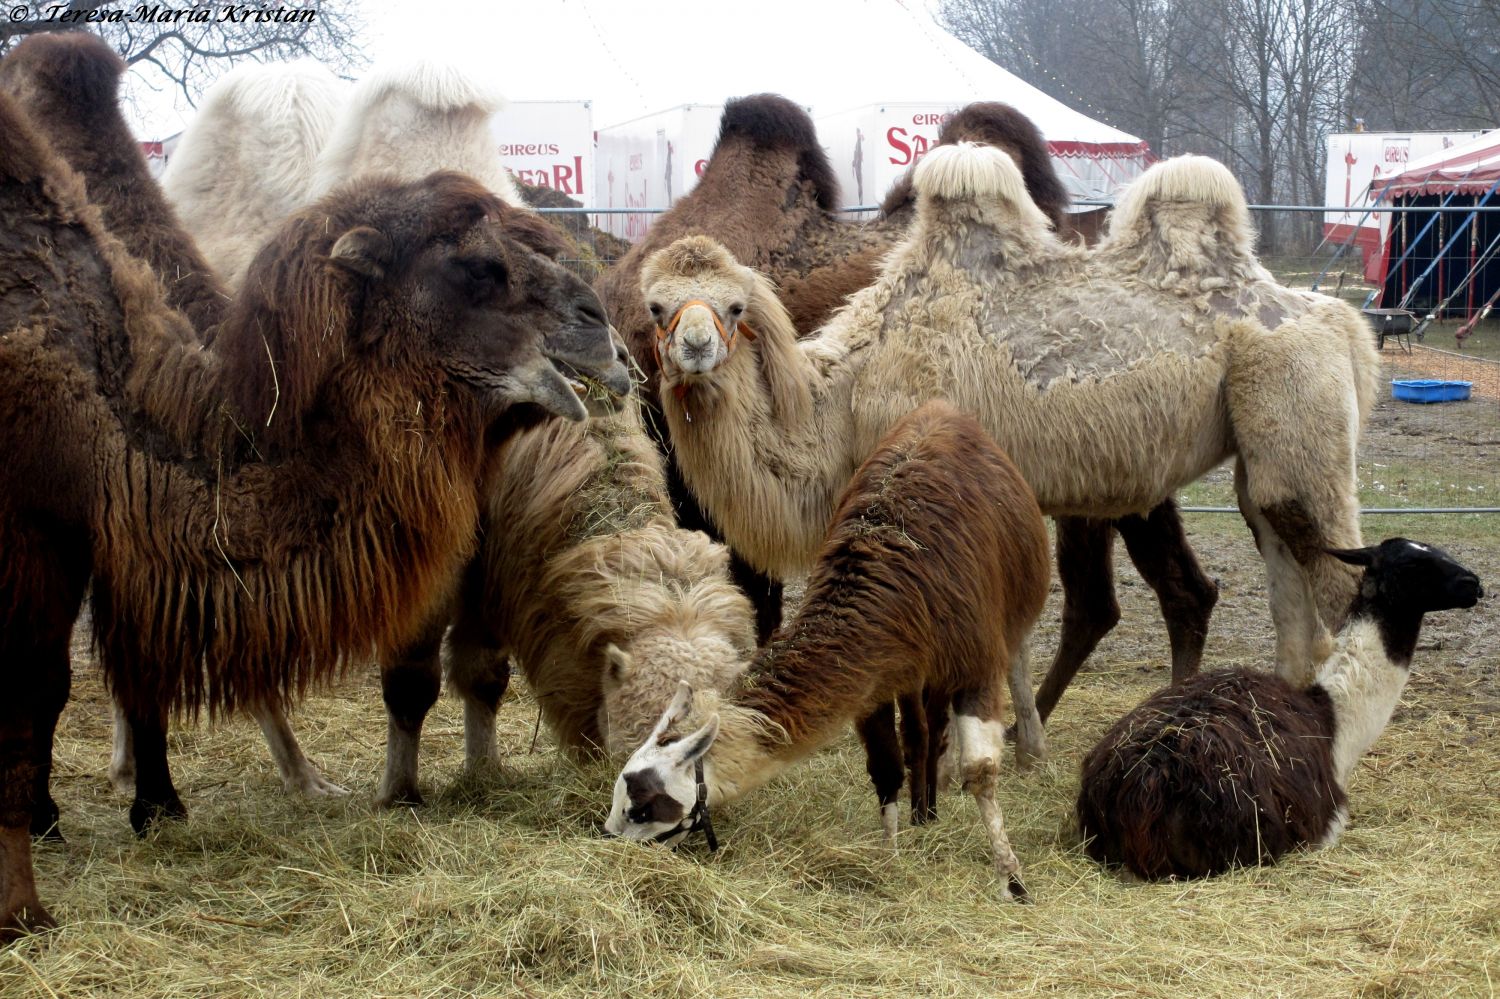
(586, 581)
(931, 578)
(399, 118)
(1112, 377)
(766, 196)
(1239, 767)
(246, 160)
(70, 82)
(227, 504)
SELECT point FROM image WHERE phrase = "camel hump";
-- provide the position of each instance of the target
(771, 121)
(429, 83)
(1185, 197)
(299, 96)
(77, 64)
(968, 171)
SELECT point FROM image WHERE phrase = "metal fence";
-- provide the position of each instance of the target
(1414, 459)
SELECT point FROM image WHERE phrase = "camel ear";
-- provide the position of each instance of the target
(617, 663)
(362, 251)
(1353, 556)
(691, 749)
(675, 712)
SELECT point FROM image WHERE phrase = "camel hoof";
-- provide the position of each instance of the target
(44, 824)
(144, 814)
(407, 797)
(315, 785)
(1028, 759)
(24, 921)
(1016, 891)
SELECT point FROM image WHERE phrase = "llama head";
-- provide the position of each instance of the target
(656, 794)
(637, 682)
(698, 296)
(1407, 577)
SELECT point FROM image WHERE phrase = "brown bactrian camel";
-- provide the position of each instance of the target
(1112, 376)
(586, 581)
(768, 195)
(253, 517)
(930, 581)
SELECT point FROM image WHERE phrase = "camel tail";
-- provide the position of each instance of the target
(772, 121)
(1185, 198)
(967, 171)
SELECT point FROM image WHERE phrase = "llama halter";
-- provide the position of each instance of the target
(698, 818)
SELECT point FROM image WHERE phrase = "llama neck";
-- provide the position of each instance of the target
(740, 761)
(1364, 682)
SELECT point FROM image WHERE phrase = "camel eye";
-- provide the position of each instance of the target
(655, 310)
(736, 310)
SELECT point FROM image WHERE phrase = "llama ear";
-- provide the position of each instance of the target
(362, 251)
(675, 712)
(617, 663)
(694, 746)
(1353, 556)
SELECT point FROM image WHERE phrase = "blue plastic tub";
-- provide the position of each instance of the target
(1429, 390)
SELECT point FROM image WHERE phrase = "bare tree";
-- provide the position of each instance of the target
(190, 46)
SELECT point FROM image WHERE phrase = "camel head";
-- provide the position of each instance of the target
(635, 682)
(422, 278)
(657, 793)
(698, 296)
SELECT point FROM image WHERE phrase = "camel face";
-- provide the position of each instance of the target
(499, 318)
(636, 682)
(698, 320)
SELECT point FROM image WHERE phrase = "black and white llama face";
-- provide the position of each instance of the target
(656, 793)
(1410, 575)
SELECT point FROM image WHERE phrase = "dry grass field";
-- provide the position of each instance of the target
(501, 887)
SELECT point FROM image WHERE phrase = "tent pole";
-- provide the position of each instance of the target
(1443, 251)
(1405, 248)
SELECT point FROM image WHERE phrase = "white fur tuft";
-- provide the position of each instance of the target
(438, 86)
(1182, 179)
(968, 171)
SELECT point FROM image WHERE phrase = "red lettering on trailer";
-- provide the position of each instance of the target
(699, 167)
(908, 153)
(930, 118)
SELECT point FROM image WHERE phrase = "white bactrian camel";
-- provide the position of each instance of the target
(244, 162)
(1112, 376)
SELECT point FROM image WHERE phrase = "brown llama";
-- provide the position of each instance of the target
(586, 581)
(1240, 767)
(768, 196)
(69, 83)
(249, 518)
(932, 576)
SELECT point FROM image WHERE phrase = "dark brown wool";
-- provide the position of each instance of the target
(1233, 767)
(932, 575)
(69, 85)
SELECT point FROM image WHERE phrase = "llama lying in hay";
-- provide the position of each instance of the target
(586, 581)
(1112, 377)
(250, 518)
(246, 160)
(767, 195)
(1240, 767)
(70, 82)
(932, 575)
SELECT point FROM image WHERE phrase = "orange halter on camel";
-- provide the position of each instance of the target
(665, 335)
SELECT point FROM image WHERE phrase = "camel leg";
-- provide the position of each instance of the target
(884, 763)
(53, 686)
(297, 774)
(155, 796)
(409, 682)
(1302, 640)
(940, 753)
(1085, 567)
(122, 753)
(1031, 738)
(981, 743)
(481, 674)
(1158, 546)
(916, 742)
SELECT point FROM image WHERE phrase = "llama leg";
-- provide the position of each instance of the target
(884, 763)
(409, 681)
(297, 774)
(1158, 546)
(1031, 738)
(916, 743)
(155, 796)
(53, 686)
(940, 753)
(122, 754)
(1302, 641)
(981, 742)
(480, 673)
(1085, 567)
